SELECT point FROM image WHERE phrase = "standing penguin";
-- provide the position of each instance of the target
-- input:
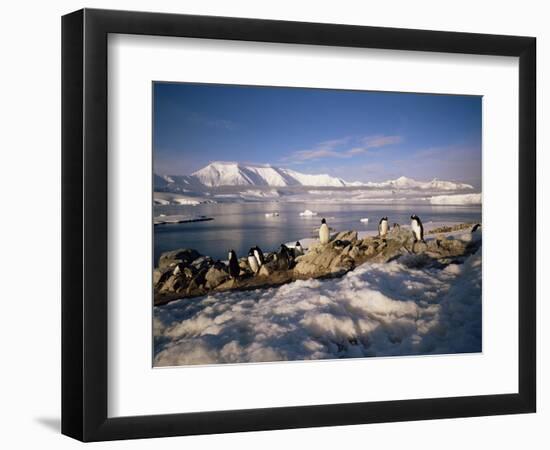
(234, 268)
(298, 249)
(417, 228)
(258, 254)
(383, 227)
(252, 261)
(285, 258)
(324, 232)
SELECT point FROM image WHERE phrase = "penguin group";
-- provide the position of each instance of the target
(285, 258)
(416, 227)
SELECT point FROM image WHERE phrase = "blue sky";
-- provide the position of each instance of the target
(356, 135)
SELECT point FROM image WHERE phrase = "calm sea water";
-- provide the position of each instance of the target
(243, 225)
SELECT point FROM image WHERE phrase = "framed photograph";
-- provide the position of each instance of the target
(273, 224)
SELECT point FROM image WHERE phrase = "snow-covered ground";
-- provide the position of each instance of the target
(386, 309)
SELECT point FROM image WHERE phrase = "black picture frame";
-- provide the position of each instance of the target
(84, 224)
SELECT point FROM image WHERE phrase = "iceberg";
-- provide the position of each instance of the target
(308, 213)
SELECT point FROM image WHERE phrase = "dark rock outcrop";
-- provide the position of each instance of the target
(216, 275)
(185, 273)
(185, 256)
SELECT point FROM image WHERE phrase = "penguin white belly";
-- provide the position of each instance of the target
(324, 234)
(383, 228)
(253, 263)
(258, 258)
(416, 230)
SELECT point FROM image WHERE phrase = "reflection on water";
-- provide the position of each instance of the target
(242, 225)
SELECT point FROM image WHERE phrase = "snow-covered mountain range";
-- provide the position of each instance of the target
(409, 183)
(234, 174)
(219, 174)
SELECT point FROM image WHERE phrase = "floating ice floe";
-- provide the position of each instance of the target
(272, 214)
(308, 213)
(364, 220)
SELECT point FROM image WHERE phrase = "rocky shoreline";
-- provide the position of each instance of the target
(185, 273)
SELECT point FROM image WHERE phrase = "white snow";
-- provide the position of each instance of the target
(256, 194)
(169, 198)
(258, 181)
(458, 199)
(240, 182)
(316, 180)
(409, 183)
(308, 213)
(225, 173)
(375, 310)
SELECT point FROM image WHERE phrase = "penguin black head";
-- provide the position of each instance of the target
(298, 244)
(284, 251)
(251, 252)
(232, 253)
(323, 220)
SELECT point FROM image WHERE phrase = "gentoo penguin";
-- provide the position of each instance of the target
(252, 261)
(417, 228)
(258, 254)
(284, 258)
(476, 227)
(234, 268)
(324, 232)
(383, 227)
(298, 250)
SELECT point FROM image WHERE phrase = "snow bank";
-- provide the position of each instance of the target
(253, 194)
(375, 310)
(169, 198)
(458, 199)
